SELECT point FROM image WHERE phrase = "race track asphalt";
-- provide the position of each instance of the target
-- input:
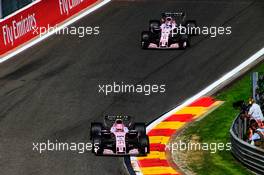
(50, 91)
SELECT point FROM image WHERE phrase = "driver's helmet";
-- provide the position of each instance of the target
(119, 125)
(168, 21)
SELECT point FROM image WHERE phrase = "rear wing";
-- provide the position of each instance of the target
(110, 120)
(173, 14)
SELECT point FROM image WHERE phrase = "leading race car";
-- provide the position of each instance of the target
(119, 136)
(173, 31)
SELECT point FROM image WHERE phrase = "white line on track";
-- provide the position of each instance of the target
(225, 78)
(211, 87)
(39, 39)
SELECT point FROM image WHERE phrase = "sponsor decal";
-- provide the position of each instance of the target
(18, 29)
(23, 26)
(67, 5)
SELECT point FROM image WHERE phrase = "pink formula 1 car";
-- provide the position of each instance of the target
(118, 136)
(173, 31)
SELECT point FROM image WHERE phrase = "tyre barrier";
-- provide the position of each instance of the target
(250, 156)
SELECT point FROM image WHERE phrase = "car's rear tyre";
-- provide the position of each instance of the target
(140, 128)
(154, 26)
(145, 39)
(97, 147)
(96, 129)
(143, 145)
(191, 25)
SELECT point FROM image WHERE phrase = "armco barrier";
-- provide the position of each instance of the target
(251, 156)
(24, 25)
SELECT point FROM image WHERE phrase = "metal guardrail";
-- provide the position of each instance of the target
(252, 157)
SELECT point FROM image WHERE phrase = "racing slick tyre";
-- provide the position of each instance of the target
(140, 128)
(97, 147)
(145, 39)
(191, 26)
(184, 42)
(143, 145)
(154, 26)
(96, 129)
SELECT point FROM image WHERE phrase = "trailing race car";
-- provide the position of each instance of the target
(118, 136)
(173, 31)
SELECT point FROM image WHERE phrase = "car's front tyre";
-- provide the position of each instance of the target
(97, 147)
(145, 39)
(184, 42)
(144, 145)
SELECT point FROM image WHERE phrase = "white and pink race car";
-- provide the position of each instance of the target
(173, 31)
(118, 136)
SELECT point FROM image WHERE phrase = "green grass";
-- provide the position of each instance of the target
(214, 128)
